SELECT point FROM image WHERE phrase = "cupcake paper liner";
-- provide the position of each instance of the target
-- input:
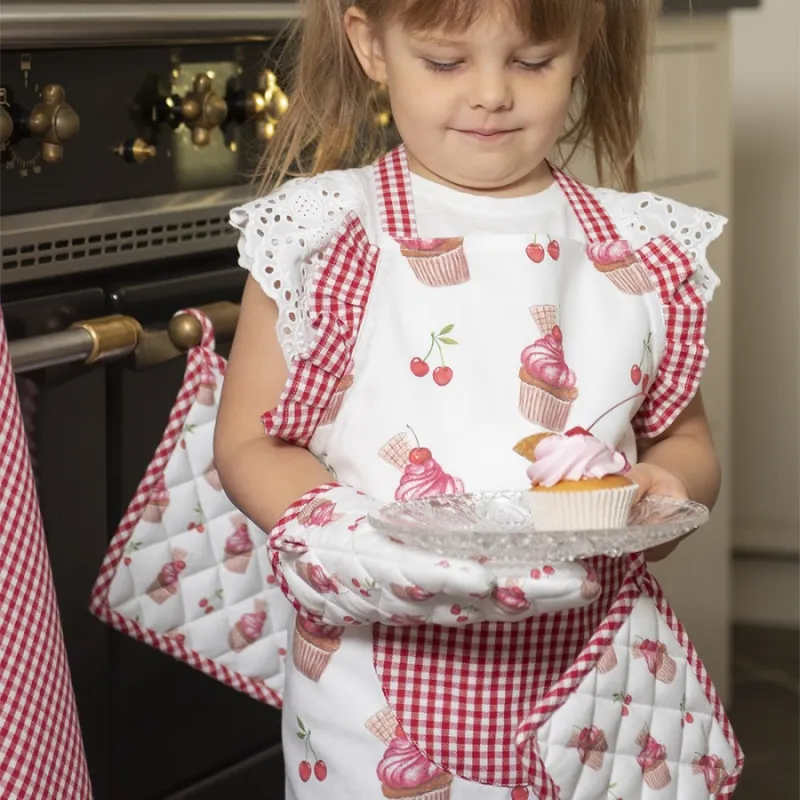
(333, 408)
(445, 269)
(308, 658)
(582, 510)
(657, 776)
(543, 408)
(632, 279)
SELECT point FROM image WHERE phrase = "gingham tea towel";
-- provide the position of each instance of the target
(41, 752)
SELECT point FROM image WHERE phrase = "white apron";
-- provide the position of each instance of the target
(434, 358)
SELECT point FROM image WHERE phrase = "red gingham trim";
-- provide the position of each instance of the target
(338, 298)
(440, 680)
(278, 542)
(395, 200)
(654, 589)
(685, 353)
(41, 751)
(595, 221)
(200, 361)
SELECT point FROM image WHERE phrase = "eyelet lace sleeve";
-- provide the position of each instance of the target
(282, 234)
(644, 216)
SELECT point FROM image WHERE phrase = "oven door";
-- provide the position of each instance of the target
(153, 727)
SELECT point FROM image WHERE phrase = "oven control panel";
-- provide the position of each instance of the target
(93, 125)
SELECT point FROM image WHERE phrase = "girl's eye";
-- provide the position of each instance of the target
(540, 66)
(441, 66)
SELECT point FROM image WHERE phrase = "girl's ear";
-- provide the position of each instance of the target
(366, 44)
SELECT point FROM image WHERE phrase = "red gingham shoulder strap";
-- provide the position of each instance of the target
(596, 223)
(393, 187)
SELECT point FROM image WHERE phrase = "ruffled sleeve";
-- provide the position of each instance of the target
(281, 237)
(672, 240)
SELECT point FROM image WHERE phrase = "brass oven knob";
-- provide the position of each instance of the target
(201, 110)
(265, 107)
(135, 151)
(6, 127)
(54, 121)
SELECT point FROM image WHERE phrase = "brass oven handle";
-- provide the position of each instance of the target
(96, 341)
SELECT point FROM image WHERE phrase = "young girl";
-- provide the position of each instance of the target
(405, 325)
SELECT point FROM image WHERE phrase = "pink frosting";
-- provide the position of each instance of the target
(251, 625)
(605, 253)
(169, 572)
(652, 753)
(322, 515)
(544, 359)
(572, 458)
(511, 597)
(320, 580)
(423, 244)
(426, 480)
(239, 542)
(320, 629)
(404, 767)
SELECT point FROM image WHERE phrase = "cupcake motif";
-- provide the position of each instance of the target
(238, 548)
(212, 477)
(337, 399)
(712, 768)
(157, 502)
(436, 262)
(405, 773)
(607, 661)
(621, 266)
(510, 599)
(166, 583)
(659, 662)
(591, 745)
(547, 384)
(248, 628)
(208, 385)
(316, 577)
(383, 725)
(653, 761)
(314, 643)
(591, 586)
(414, 594)
(318, 513)
(422, 475)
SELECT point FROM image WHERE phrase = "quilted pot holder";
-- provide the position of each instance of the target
(185, 571)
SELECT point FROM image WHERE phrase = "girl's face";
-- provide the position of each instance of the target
(478, 110)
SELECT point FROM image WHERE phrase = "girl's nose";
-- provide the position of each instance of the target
(490, 89)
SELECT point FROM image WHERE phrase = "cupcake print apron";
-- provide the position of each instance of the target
(434, 358)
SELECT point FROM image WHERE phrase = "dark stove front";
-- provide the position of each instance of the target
(126, 140)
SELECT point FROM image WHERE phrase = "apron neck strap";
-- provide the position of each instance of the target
(594, 220)
(393, 189)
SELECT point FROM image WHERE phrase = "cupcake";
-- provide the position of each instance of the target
(205, 392)
(166, 583)
(313, 645)
(653, 761)
(248, 628)
(238, 550)
(422, 475)
(337, 398)
(405, 773)
(318, 513)
(547, 385)
(157, 502)
(316, 577)
(621, 266)
(510, 599)
(591, 745)
(577, 482)
(659, 662)
(437, 262)
(607, 661)
(713, 771)
(414, 594)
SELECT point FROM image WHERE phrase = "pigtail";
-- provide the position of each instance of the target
(611, 87)
(330, 120)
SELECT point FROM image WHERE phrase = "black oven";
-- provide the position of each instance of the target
(128, 130)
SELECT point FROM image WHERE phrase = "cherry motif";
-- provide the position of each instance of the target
(554, 249)
(455, 610)
(305, 771)
(320, 770)
(126, 560)
(462, 618)
(519, 793)
(419, 455)
(536, 574)
(636, 374)
(535, 253)
(548, 570)
(442, 375)
(577, 431)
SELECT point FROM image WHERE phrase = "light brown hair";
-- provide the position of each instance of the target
(330, 123)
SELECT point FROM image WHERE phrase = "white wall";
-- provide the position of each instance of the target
(766, 252)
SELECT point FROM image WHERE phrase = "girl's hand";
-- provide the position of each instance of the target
(655, 480)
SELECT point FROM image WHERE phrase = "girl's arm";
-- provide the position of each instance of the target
(261, 474)
(680, 463)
